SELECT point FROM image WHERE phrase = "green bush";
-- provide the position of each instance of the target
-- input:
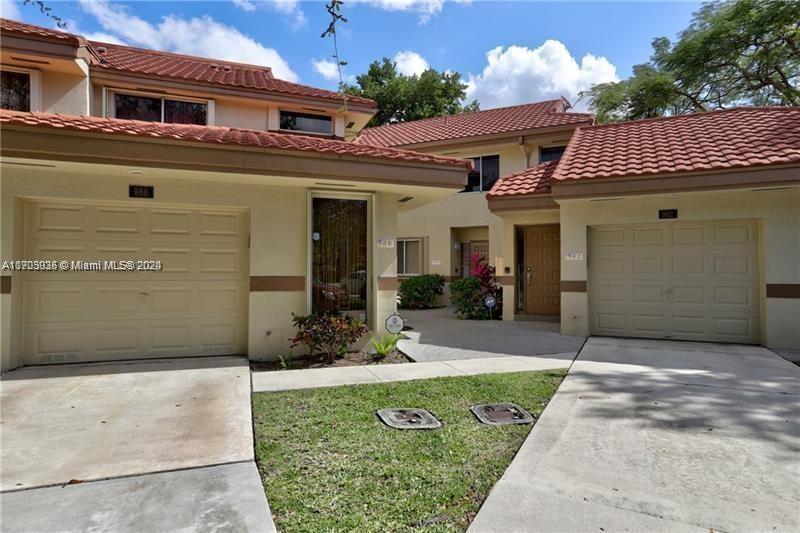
(328, 333)
(468, 295)
(419, 292)
(465, 295)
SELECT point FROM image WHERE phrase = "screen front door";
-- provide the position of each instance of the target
(542, 270)
(339, 270)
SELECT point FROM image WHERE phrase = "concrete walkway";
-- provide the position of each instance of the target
(659, 436)
(355, 375)
(437, 335)
(161, 445)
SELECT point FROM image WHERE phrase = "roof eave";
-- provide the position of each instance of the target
(494, 137)
(731, 178)
(37, 142)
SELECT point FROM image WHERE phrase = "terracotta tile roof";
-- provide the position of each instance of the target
(716, 140)
(182, 67)
(221, 135)
(534, 180)
(476, 124)
(207, 71)
(16, 27)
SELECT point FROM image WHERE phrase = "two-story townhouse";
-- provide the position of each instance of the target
(184, 206)
(684, 227)
(444, 237)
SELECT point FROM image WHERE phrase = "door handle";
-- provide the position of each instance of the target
(528, 276)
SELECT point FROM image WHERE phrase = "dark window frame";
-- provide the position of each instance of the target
(29, 100)
(163, 99)
(478, 174)
(312, 116)
(551, 153)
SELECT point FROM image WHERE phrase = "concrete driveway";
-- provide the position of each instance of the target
(171, 441)
(659, 436)
(437, 335)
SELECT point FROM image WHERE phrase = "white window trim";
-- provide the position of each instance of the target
(109, 109)
(35, 97)
(304, 132)
(421, 264)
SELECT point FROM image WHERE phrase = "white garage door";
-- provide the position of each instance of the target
(197, 305)
(675, 280)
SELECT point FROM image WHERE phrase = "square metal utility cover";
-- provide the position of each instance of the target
(498, 414)
(409, 419)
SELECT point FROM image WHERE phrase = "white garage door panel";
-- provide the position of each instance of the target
(197, 305)
(693, 281)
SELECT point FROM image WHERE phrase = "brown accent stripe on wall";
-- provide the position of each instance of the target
(573, 286)
(783, 290)
(506, 280)
(5, 284)
(277, 283)
(387, 283)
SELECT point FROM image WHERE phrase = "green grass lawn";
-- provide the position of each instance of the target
(328, 463)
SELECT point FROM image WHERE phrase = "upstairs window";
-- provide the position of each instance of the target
(306, 123)
(16, 90)
(486, 171)
(157, 109)
(552, 153)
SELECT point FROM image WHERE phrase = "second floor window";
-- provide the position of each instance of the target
(486, 171)
(551, 153)
(306, 123)
(154, 109)
(16, 90)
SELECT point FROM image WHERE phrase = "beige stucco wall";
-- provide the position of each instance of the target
(469, 210)
(278, 230)
(241, 114)
(778, 212)
(65, 93)
(385, 258)
(230, 112)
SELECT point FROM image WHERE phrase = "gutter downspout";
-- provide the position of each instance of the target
(526, 153)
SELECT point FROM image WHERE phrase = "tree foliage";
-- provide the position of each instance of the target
(401, 98)
(736, 52)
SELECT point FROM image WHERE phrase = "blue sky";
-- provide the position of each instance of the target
(508, 52)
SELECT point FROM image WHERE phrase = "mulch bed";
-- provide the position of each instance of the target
(360, 358)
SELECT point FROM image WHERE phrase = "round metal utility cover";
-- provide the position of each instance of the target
(499, 414)
(409, 419)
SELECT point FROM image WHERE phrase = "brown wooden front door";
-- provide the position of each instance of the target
(542, 270)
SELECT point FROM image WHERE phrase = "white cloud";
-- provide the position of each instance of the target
(290, 8)
(410, 63)
(10, 10)
(326, 68)
(247, 5)
(201, 36)
(518, 74)
(102, 37)
(425, 8)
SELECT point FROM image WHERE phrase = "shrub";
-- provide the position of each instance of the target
(386, 345)
(328, 333)
(468, 294)
(419, 292)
